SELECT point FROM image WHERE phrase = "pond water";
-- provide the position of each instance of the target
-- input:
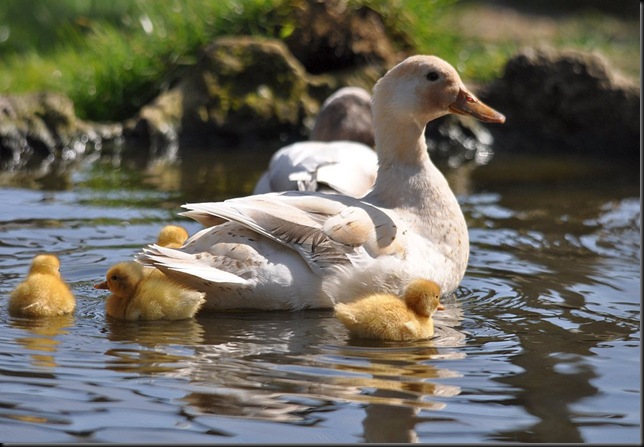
(541, 343)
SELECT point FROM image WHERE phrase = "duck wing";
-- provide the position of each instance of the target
(326, 230)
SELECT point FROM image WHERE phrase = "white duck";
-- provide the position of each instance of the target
(296, 250)
(339, 156)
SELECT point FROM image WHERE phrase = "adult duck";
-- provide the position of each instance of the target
(297, 250)
(43, 293)
(338, 156)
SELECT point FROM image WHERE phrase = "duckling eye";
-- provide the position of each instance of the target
(114, 277)
(432, 76)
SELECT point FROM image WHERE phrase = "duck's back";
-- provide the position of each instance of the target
(347, 167)
(41, 295)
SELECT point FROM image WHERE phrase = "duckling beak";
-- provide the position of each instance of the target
(468, 104)
(440, 307)
(102, 286)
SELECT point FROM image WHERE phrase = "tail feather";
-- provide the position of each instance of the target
(178, 261)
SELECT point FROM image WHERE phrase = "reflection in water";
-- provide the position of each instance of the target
(42, 337)
(559, 277)
(540, 344)
(400, 420)
(157, 332)
(293, 367)
(147, 349)
(397, 386)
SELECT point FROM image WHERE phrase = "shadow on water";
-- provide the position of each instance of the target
(539, 344)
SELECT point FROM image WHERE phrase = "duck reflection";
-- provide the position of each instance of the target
(400, 420)
(43, 339)
(152, 347)
(293, 367)
(399, 382)
(157, 332)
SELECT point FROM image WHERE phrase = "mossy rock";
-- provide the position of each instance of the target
(241, 86)
(565, 101)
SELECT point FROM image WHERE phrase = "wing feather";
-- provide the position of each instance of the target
(326, 230)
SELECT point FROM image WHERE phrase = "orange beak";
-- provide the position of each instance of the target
(102, 286)
(440, 307)
(468, 104)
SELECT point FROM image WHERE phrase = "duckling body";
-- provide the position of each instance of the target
(137, 295)
(385, 316)
(43, 293)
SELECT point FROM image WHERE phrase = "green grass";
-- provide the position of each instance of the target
(112, 61)
(112, 57)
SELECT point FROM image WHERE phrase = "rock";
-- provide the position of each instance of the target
(40, 131)
(565, 101)
(248, 87)
(241, 86)
(332, 35)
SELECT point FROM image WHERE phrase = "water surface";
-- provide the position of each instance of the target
(541, 343)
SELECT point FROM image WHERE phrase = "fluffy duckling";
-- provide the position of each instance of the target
(386, 317)
(172, 236)
(137, 296)
(43, 293)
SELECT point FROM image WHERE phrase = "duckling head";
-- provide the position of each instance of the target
(122, 279)
(172, 236)
(45, 264)
(423, 297)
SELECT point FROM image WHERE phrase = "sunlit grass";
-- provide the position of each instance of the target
(113, 57)
(111, 68)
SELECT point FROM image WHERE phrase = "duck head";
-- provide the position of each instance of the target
(345, 115)
(172, 236)
(122, 279)
(45, 264)
(423, 297)
(424, 88)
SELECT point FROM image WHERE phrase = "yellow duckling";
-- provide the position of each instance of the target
(137, 296)
(172, 236)
(385, 316)
(43, 293)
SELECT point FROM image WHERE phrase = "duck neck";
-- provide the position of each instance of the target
(405, 145)
(407, 178)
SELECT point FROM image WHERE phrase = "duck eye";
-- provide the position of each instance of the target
(114, 278)
(432, 76)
